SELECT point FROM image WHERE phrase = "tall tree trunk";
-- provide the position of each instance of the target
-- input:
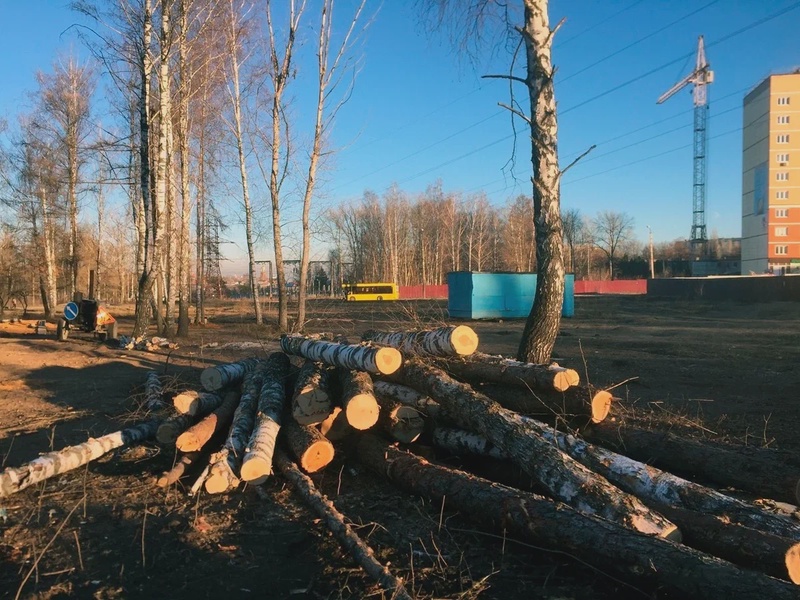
(236, 99)
(541, 328)
(49, 297)
(186, 204)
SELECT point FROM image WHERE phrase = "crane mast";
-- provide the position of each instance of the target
(700, 78)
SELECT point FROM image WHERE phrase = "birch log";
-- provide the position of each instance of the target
(563, 477)
(757, 473)
(466, 443)
(311, 401)
(578, 406)
(224, 465)
(655, 486)
(14, 479)
(312, 450)
(196, 403)
(217, 377)
(336, 427)
(408, 396)
(257, 461)
(404, 423)
(359, 358)
(358, 400)
(335, 521)
(658, 563)
(444, 341)
(171, 428)
(200, 433)
(496, 369)
(153, 392)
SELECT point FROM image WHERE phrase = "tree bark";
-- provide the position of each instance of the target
(311, 401)
(541, 328)
(224, 465)
(217, 377)
(408, 396)
(336, 427)
(200, 433)
(194, 403)
(466, 443)
(486, 368)
(562, 476)
(171, 428)
(177, 471)
(360, 358)
(608, 546)
(313, 451)
(257, 461)
(348, 538)
(763, 476)
(444, 341)
(361, 409)
(153, 392)
(12, 480)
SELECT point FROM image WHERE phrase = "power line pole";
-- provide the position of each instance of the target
(652, 264)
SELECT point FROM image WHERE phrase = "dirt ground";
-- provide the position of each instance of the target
(727, 371)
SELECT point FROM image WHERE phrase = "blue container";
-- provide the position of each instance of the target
(498, 295)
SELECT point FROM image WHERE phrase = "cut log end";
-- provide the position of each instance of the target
(188, 442)
(317, 456)
(254, 469)
(388, 360)
(573, 377)
(211, 379)
(217, 484)
(362, 411)
(671, 533)
(464, 340)
(601, 406)
(793, 563)
(408, 424)
(186, 402)
(561, 381)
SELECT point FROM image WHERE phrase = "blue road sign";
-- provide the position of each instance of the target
(70, 311)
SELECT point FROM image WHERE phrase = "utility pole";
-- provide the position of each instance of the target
(652, 264)
(422, 249)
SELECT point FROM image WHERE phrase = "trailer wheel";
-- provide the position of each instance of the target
(380, 298)
(61, 330)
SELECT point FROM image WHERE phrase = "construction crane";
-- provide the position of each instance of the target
(700, 77)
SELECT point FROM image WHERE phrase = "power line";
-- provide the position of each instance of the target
(564, 42)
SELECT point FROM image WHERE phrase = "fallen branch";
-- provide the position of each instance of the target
(348, 538)
(200, 433)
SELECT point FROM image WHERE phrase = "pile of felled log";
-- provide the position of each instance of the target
(632, 501)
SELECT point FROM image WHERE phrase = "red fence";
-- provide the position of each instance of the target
(618, 286)
(414, 292)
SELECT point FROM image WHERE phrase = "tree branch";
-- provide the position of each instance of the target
(574, 162)
(520, 114)
(509, 77)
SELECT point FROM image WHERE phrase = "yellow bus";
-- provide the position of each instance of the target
(370, 291)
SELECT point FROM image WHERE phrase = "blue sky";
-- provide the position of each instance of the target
(421, 112)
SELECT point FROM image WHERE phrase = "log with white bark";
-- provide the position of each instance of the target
(577, 405)
(655, 486)
(482, 367)
(178, 470)
(347, 356)
(217, 377)
(14, 479)
(257, 461)
(311, 400)
(224, 465)
(754, 472)
(153, 392)
(312, 449)
(335, 521)
(336, 427)
(171, 428)
(444, 341)
(201, 432)
(358, 400)
(194, 403)
(658, 563)
(408, 396)
(404, 423)
(563, 477)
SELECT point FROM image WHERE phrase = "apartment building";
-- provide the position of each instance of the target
(771, 176)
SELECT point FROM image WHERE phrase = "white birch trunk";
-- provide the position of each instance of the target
(196, 403)
(444, 341)
(359, 358)
(12, 480)
(153, 392)
(220, 376)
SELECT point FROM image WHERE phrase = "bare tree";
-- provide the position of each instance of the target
(611, 231)
(573, 224)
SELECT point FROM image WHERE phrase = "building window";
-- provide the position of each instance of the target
(781, 249)
(783, 138)
(781, 213)
(783, 119)
(783, 100)
(782, 158)
(781, 231)
(782, 176)
(782, 195)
